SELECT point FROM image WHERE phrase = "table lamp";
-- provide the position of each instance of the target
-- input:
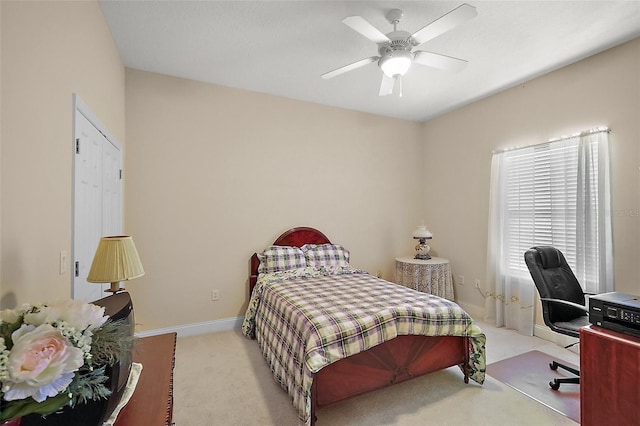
(116, 260)
(422, 234)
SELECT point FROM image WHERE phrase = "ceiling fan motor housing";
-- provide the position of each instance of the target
(399, 40)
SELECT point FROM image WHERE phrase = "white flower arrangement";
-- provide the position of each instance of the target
(54, 355)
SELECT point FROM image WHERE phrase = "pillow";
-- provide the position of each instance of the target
(326, 255)
(281, 258)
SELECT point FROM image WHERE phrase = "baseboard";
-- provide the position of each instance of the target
(476, 312)
(545, 333)
(224, 324)
(227, 324)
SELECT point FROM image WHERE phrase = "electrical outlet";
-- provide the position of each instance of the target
(215, 295)
(461, 279)
(477, 283)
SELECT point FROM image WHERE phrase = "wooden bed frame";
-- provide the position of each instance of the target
(391, 362)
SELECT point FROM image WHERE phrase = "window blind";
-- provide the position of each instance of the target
(541, 197)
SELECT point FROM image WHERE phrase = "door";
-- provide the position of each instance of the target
(97, 198)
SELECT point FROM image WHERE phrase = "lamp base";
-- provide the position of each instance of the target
(422, 250)
(115, 288)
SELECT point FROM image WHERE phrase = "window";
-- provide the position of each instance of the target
(541, 201)
(555, 193)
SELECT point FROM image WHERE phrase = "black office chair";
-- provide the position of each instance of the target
(563, 301)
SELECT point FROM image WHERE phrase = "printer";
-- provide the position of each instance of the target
(616, 311)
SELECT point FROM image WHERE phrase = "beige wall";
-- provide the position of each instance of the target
(1, 91)
(214, 174)
(49, 51)
(601, 90)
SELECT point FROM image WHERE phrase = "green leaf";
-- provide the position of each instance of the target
(20, 408)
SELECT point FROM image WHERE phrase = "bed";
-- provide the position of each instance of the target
(329, 332)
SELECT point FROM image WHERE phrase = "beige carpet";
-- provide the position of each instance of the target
(222, 379)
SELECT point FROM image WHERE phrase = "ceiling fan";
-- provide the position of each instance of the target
(395, 48)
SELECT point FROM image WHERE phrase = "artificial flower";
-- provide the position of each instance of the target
(75, 313)
(48, 356)
(41, 363)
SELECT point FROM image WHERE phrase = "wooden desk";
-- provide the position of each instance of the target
(609, 370)
(152, 402)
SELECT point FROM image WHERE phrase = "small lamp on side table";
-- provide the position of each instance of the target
(422, 234)
(116, 260)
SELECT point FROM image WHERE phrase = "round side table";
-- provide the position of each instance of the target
(431, 276)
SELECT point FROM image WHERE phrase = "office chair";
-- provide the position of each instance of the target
(563, 301)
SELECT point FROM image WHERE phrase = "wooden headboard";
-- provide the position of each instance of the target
(296, 237)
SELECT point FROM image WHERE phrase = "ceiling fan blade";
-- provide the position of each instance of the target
(441, 62)
(457, 16)
(353, 66)
(362, 26)
(386, 87)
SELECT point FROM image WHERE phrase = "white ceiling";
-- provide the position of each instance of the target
(282, 47)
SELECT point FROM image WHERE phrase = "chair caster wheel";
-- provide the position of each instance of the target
(554, 385)
(553, 365)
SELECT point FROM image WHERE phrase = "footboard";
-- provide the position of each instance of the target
(394, 361)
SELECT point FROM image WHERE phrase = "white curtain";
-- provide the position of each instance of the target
(575, 171)
(593, 219)
(509, 301)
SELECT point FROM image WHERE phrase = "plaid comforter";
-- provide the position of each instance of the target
(308, 318)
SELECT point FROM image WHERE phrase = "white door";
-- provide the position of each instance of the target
(97, 200)
(111, 190)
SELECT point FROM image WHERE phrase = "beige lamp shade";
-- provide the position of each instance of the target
(116, 260)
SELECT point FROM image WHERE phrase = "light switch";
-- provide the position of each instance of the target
(63, 261)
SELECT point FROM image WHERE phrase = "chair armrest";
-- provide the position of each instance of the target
(567, 303)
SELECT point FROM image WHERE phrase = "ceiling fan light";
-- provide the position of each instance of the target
(396, 63)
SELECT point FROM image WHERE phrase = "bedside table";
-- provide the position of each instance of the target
(431, 276)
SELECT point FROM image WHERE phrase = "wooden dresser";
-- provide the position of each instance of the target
(152, 402)
(609, 371)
